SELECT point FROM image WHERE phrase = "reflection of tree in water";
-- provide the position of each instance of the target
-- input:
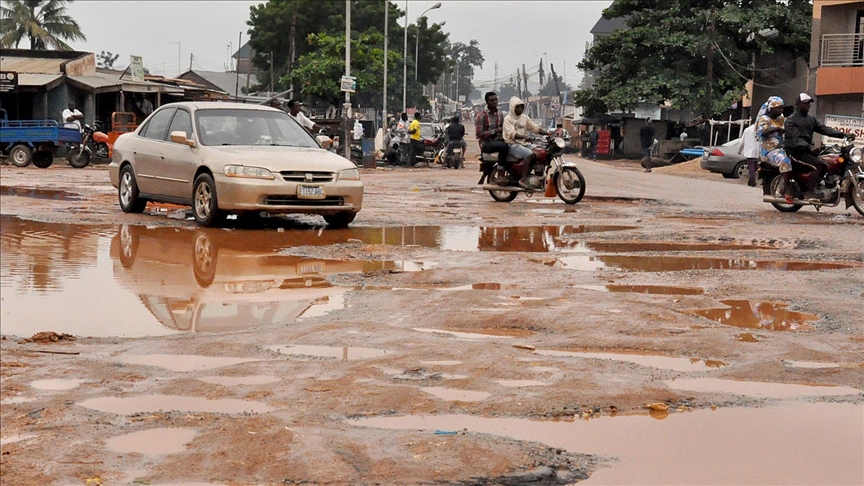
(521, 238)
(39, 256)
(759, 315)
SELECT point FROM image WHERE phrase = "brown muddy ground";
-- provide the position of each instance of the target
(676, 290)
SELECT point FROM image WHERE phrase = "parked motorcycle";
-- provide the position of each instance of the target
(93, 141)
(843, 180)
(452, 156)
(431, 148)
(550, 174)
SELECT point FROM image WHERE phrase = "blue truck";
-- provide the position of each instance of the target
(36, 141)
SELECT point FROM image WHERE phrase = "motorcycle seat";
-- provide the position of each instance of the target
(493, 157)
(801, 165)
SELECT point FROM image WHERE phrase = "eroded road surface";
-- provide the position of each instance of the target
(668, 329)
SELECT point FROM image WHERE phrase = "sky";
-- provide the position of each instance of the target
(510, 33)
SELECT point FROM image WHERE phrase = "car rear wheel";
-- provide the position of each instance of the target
(741, 171)
(205, 205)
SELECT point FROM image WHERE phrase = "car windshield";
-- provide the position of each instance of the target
(250, 127)
(427, 130)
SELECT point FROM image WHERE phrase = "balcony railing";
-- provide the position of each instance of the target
(842, 50)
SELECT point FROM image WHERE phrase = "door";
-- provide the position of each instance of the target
(149, 150)
(178, 166)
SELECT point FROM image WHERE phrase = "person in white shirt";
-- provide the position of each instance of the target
(402, 136)
(749, 148)
(72, 117)
(517, 125)
(295, 111)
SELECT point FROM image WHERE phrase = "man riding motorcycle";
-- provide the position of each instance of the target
(488, 127)
(516, 128)
(800, 127)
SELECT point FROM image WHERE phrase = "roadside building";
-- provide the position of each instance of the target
(837, 56)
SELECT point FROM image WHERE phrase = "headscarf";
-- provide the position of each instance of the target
(773, 102)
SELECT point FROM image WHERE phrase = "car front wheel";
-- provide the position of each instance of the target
(340, 220)
(127, 192)
(205, 205)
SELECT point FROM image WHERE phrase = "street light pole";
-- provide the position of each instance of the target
(405, 64)
(384, 103)
(347, 106)
(417, 39)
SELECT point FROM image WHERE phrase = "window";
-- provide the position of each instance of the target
(182, 122)
(222, 126)
(157, 127)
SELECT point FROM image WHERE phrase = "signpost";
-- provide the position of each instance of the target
(136, 68)
(349, 84)
(8, 82)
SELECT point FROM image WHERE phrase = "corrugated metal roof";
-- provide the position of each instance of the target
(31, 65)
(97, 81)
(29, 79)
(227, 82)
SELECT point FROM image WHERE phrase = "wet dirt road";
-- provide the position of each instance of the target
(668, 329)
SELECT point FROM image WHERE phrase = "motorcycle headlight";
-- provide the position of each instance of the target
(248, 172)
(349, 175)
(856, 154)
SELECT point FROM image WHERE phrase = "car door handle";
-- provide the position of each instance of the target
(162, 157)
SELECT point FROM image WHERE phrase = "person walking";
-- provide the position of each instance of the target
(646, 140)
(594, 138)
(749, 148)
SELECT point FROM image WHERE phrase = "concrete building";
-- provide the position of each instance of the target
(837, 56)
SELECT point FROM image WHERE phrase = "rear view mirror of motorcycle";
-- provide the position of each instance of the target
(180, 137)
(324, 141)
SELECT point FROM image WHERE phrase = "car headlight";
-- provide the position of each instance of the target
(349, 175)
(856, 155)
(248, 172)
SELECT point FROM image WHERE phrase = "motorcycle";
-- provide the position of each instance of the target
(550, 174)
(431, 148)
(843, 180)
(452, 156)
(92, 141)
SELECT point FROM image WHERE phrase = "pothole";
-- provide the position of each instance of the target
(343, 353)
(56, 384)
(643, 263)
(765, 316)
(647, 360)
(182, 362)
(55, 194)
(240, 380)
(152, 442)
(456, 395)
(479, 333)
(759, 389)
(643, 289)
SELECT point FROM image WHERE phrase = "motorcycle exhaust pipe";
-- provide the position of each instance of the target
(780, 200)
(493, 187)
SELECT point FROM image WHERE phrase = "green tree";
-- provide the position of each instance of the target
(663, 55)
(467, 57)
(106, 59)
(44, 22)
(553, 89)
(318, 73)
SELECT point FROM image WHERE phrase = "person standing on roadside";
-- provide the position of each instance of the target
(749, 148)
(594, 138)
(294, 109)
(646, 140)
(402, 138)
(72, 118)
(416, 140)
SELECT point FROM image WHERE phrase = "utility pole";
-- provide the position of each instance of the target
(271, 74)
(405, 64)
(557, 88)
(495, 81)
(518, 83)
(291, 48)
(237, 74)
(190, 61)
(709, 103)
(347, 106)
(384, 101)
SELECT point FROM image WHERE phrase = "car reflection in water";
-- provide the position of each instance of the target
(217, 281)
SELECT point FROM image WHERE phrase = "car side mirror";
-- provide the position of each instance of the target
(324, 140)
(180, 137)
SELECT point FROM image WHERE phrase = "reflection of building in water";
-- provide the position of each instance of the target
(39, 256)
(759, 315)
(215, 281)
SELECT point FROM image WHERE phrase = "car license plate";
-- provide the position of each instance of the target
(310, 192)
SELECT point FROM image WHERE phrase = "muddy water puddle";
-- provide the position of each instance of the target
(759, 389)
(478, 333)
(648, 246)
(647, 360)
(56, 384)
(643, 289)
(765, 316)
(152, 442)
(520, 383)
(40, 193)
(182, 363)
(166, 403)
(455, 394)
(644, 263)
(700, 447)
(240, 380)
(159, 281)
(343, 353)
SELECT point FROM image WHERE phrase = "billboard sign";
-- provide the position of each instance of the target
(848, 124)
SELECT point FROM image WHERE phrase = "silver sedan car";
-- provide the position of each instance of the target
(725, 159)
(223, 158)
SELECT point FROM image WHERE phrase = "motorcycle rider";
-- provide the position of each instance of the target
(800, 127)
(769, 130)
(516, 127)
(489, 129)
(456, 134)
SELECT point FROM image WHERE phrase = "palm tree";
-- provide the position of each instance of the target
(44, 22)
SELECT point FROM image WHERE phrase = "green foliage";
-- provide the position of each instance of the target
(551, 89)
(663, 54)
(43, 22)
(467, 56)
(106, 59)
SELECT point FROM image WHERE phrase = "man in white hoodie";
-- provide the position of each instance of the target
(516, 128)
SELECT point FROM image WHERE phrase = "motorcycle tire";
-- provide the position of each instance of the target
(102, 151)
(570, 184)
(501, 176)
(777, 192)
(78, 160)
(856, 194)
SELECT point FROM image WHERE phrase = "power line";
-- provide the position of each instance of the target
(749, 78)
